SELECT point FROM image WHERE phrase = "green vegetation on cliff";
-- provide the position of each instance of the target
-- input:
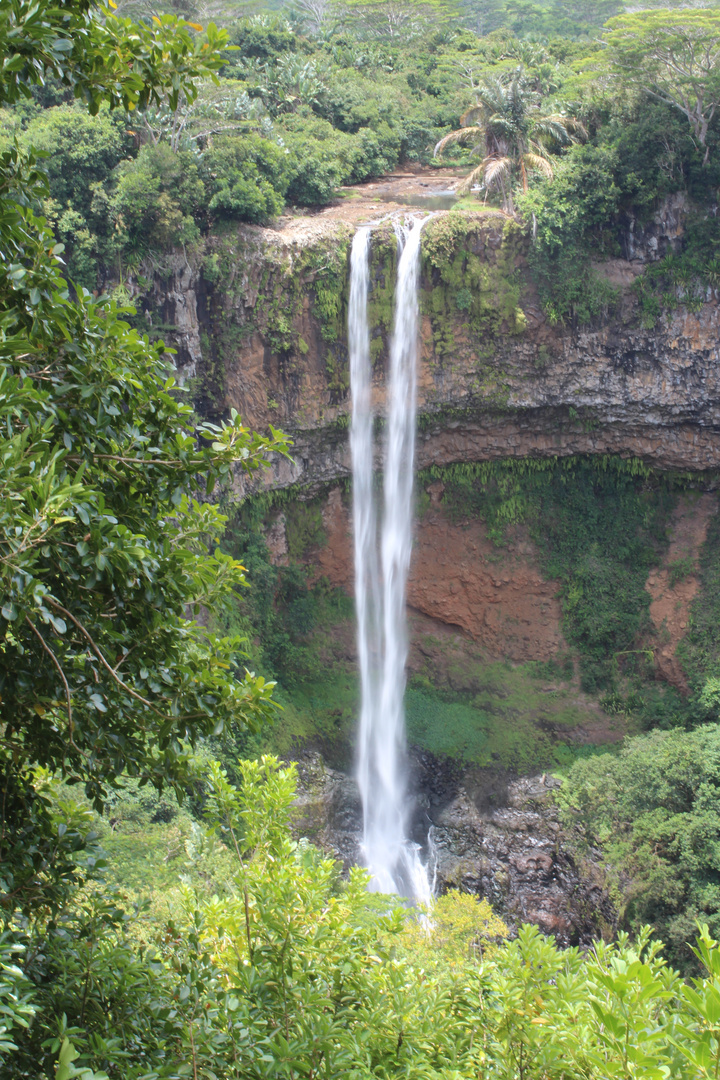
(599, 524)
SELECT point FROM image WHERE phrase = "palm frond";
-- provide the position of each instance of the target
(550, 127)
(496, 168)
(462, 135)
(573, 129)
(576, 128)
(491, 94)
(538, 164)
(474, 113)
(536, 146)
(499, 123)
(471, 179)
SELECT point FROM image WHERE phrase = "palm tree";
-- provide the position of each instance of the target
(509, 128)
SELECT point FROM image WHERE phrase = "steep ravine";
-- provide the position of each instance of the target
(258, 319)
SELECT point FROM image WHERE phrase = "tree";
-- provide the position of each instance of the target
(107, 553)
(653, 809)
(81, 152)
(315, 15)
(674, 57)
(508, 127)
(484, 16)
(222, 11)
(100, 56)
(398, 19)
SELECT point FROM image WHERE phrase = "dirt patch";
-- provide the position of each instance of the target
(497, 596)
(334, 559)
(674, 585)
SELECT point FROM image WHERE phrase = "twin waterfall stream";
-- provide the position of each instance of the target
(381, 566)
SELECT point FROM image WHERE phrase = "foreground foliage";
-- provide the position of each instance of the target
(106, 558)
(277, 968)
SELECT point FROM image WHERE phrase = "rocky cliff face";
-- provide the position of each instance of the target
(483, 833)
(259, 322)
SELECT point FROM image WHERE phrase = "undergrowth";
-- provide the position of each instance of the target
(683, 280)
(699, 651)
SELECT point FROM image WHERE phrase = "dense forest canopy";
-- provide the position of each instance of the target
(135, 131)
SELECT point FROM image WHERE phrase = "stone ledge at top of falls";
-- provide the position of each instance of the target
(258, 319)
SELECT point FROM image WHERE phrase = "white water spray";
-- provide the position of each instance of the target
(392, 859)
(367, 578)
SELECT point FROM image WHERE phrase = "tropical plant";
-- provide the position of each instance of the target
(396, 20)
(653, 810)
(315, 16)
(285, 83)
(105, 555)
(508, 127)
(674, 56)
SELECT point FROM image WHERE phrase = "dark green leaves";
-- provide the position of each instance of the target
(108, 560)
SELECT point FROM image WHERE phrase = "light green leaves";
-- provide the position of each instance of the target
(674, 56)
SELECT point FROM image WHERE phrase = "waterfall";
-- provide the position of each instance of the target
(367, 578)
(392, 859)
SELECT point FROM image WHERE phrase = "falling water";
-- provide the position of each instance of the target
(392, 859)
(367, 580)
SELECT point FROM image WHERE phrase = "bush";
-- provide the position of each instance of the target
(316, 168)
(569, 214)
(654, 809)
(247, 177)
(265, 37)
(82, 150)
(157, 199)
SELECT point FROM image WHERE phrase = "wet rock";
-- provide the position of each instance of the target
(483, 832)
(328, 810)
(519, 857)
(276, 540)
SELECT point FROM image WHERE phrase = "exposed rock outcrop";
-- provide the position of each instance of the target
(492, 836)
(458, 577)
(674, 585)
(260, 317)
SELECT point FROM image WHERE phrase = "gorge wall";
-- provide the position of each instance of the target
(258, 320)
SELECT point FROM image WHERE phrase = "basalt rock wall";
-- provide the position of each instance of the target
(258, 320)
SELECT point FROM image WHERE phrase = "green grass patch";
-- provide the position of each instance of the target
(512, 722)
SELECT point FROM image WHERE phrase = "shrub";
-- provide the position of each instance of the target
(655, 811)
(157, 199)
(247, 177)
